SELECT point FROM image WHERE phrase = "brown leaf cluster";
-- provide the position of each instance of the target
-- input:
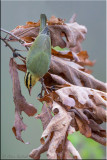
(76, 106)
(75, 97)
(56, 143)
(62, 34)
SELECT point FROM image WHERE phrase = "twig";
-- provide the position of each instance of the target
(21, 41)
(15, 54)
(7, 44)
(3, 30)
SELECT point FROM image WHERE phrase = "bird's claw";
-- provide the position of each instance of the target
(40, 95)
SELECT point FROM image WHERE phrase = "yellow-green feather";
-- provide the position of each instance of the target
(39, 55)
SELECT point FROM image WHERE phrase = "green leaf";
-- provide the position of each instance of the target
(59, 49)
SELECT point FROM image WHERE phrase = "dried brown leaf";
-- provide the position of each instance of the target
(72, 73)
(92, 116)
(28, 40)
(20, 102)
(27, 25)
(99, 139)
(55, 21)
(32, 24)
(35, 153)
(67, 155)
(62, 54)
(51, 80)
(45, 116)
(71, 149)
(96, 128)
(21, 67)
(83, 128)
(73, 32)
(82, 56)
(59, 125)
(87, 98)
(19, 126)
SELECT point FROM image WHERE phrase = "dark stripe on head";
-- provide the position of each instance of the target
(30, 81)
(27, 79)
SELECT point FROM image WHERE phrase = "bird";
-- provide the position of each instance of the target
(39, 56)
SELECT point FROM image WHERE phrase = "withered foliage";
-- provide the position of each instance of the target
(73, 33)
(20, 102)
(75, 97)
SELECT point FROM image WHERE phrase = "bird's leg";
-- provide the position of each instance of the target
(15, 54)
(43, 87)
(42, 83)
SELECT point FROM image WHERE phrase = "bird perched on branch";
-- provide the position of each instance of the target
(39, 55)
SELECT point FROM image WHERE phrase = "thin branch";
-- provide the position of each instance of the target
(15, 54)
(7, 44)
(21, 41)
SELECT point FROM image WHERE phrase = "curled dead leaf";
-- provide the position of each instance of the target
(83, 99)
(20, 102)
(81, 56)
(36, 153)
(98, 139)
(21, 67)
(71, 72)
(83, 128)
(59, 125)
(55, 21)
(45, 116)
(18, 127)
(73, 33)
(82, 95)
(71, 149)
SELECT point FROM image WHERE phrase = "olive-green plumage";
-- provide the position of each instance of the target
(39, 55)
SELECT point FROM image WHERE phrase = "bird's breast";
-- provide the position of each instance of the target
(39, 56)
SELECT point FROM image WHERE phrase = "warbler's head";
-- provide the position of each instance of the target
(30, 81)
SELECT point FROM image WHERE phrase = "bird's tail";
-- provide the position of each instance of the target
(43, 20)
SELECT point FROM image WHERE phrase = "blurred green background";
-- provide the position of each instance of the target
(92, 14)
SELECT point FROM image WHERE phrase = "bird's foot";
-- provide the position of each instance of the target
(18, 55)
(43, 86)
(40, 95)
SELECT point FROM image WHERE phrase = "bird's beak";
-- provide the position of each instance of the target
(29, 91)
